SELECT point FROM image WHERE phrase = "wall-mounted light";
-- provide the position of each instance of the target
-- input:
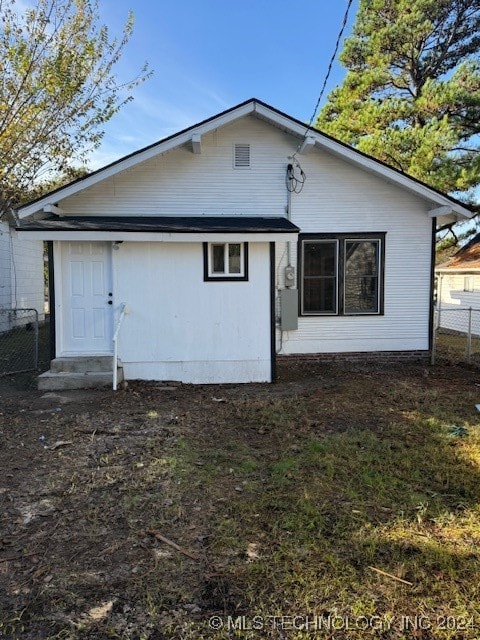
(116, 244)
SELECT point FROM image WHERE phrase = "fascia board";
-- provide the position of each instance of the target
(126, 236)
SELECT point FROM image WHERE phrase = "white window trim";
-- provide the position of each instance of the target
(226, 275)
(321, 241)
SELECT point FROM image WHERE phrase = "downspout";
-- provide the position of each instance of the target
(51, 300)
(289, 254)
(289, 247)
(289, 218)
(431, 332)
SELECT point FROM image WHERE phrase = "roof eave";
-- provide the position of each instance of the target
(265, 112)
(164, 236)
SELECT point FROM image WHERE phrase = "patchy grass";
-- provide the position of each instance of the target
(341, 503)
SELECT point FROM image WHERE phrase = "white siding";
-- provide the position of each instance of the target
(337, 197)
(183, 183)
(21, 271)
(181, 328)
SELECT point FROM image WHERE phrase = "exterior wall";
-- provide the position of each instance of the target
(21, 272)
(337, 197)
(454, 302)
(179, 327)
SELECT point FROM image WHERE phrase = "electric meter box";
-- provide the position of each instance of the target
(288, 309)
(289, 276)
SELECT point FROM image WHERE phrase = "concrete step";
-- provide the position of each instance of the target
(81, 364)
(63, 380)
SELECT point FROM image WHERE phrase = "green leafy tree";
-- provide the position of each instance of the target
(411, 96)
(57, 90)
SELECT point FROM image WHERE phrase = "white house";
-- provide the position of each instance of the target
(241, 238)
(21, 274)
(458, 289)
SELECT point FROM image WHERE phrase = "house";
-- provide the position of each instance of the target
(458, 290)
(206, 255)
(21, 277)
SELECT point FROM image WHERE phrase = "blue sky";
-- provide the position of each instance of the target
(209, 55)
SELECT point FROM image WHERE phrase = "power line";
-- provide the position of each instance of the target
(330, 65)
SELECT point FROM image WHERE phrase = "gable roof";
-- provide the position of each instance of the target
(466, 258)
(449, 206)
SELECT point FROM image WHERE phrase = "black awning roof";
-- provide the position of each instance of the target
(158, 224)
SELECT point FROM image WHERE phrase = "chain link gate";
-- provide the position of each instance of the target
(18, 340)
(456, 336)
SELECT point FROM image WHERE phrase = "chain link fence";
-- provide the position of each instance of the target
(19, 340)
(456, 336)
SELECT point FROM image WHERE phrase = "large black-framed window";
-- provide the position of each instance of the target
(342, 274)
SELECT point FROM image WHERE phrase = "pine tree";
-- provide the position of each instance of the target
(411, 96)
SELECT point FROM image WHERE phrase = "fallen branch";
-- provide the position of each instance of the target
(389, 575)
(58, 444)
(172, 544)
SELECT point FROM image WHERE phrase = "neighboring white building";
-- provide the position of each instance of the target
(198, 235)
(21, 272)
(458, 289)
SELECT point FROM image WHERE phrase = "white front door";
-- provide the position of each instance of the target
(87, 304)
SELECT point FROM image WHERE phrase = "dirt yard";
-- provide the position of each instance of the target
(341, 502)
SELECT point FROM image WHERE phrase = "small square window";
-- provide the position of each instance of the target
(225, 260)
(468, 284)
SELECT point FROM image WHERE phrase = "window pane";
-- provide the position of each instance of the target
(234, 261)
(361, 258)
(320, 277)
(361, 276)
(218, 255)
(319, 295)
(361, 294)
(319, 258)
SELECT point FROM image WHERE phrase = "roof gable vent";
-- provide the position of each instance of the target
(241, 159)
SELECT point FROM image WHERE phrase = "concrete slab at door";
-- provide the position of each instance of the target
(86, 291)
